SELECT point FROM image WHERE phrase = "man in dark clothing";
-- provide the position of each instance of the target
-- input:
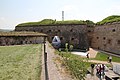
(87, 55)
(110, 59)
(92, 69)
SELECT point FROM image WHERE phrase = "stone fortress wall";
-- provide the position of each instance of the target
(104, 37)
(18, 38)
(73, 34)
(4, 41)
(107, 37)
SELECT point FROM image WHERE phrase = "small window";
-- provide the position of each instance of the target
(118, 42)
(25, 42)
(113, 30)
(30, 41)
(97, 37)
(21, 42)
(58, 30)
(41, 30)
(72, 39)
(71, 30)
(98, 47)
(49, 31)
(89, 30)
(61, 38)
(109, 41)
(104, 38)
(104, 45)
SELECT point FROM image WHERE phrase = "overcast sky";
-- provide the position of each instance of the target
(13, 12)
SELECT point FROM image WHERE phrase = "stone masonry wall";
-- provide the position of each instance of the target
(104, 37)
(18, 40)
(107, 37)
(73, 34)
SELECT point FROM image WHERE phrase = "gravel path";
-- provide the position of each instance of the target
(54, 72)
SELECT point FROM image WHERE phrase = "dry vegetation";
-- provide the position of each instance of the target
(21, 34)
(20, 62)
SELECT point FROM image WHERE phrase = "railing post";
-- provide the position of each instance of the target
(44, 44)
(45, 60)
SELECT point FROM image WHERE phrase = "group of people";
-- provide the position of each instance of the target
(100, 68)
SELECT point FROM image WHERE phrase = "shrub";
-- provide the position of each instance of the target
(75, 64)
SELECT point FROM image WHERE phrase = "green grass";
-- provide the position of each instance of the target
(75, 64)
(54, 22)
(103, 57)
(109, 19)
(20, 62)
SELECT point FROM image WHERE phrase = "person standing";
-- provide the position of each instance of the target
(110, 59)
(87, 55)
(97, 68)
(92, 69)
(103, 70)
(100, 69)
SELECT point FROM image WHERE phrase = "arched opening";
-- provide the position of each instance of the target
(56, 42)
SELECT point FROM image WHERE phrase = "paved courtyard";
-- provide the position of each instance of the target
(92, 53)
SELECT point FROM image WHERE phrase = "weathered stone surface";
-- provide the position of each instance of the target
(104, 37)
(18, 38)
(107, 37)
(116, 68)
(75, 34)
